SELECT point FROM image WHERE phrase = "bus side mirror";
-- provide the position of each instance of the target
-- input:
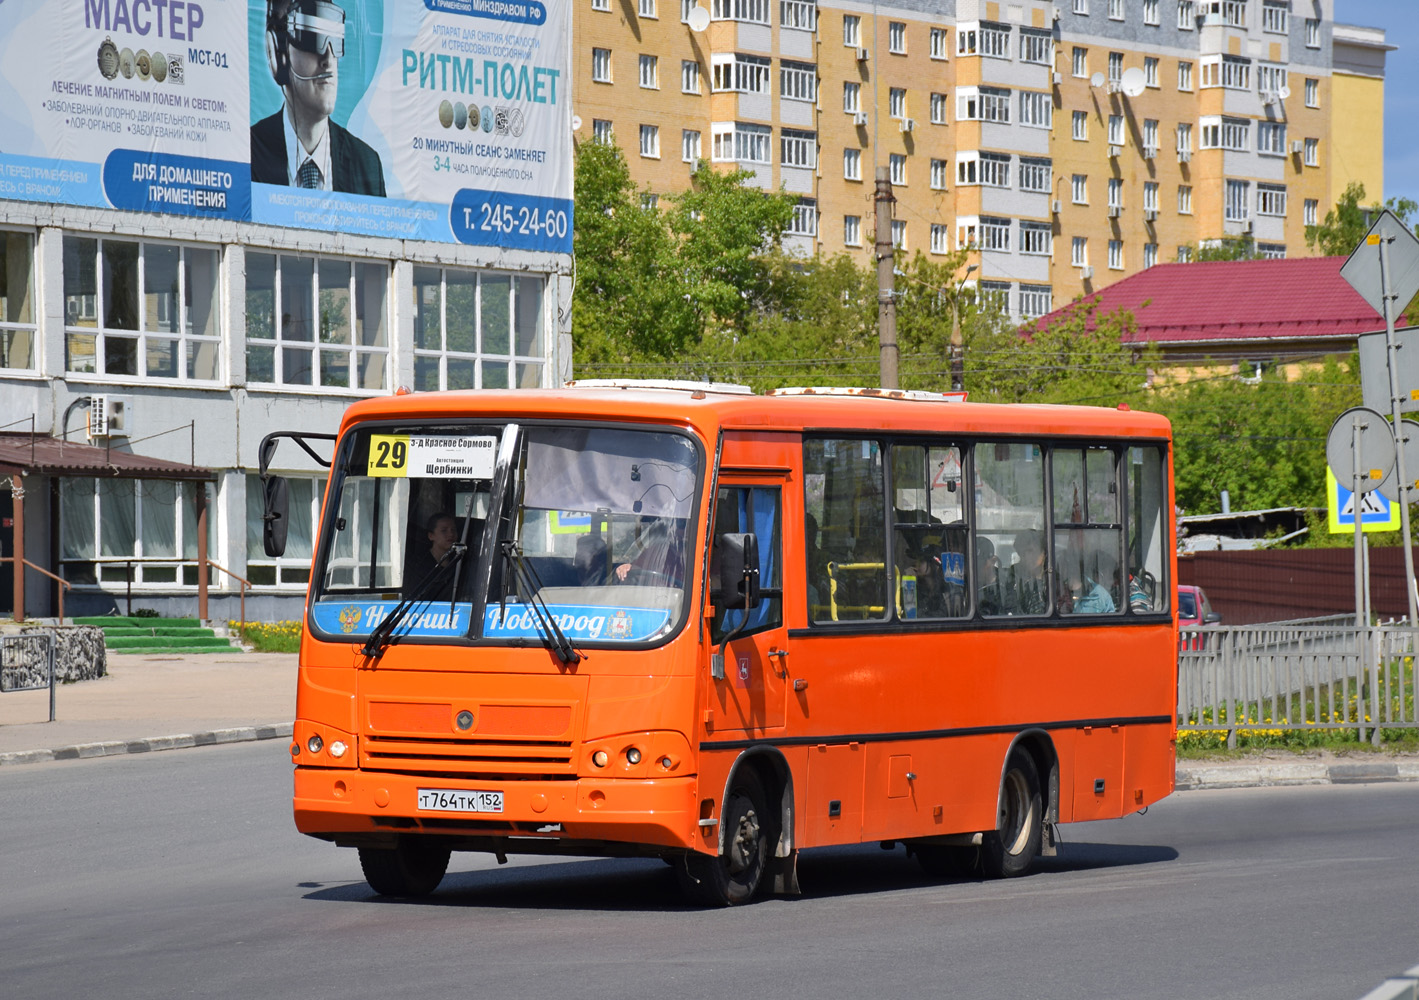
(275, 510)
(738, 558)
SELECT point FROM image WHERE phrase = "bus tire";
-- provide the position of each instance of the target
(734, 876)
(1010, 849)
(413, 867)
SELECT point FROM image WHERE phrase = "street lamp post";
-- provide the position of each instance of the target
(958, 347)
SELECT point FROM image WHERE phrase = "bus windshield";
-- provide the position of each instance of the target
(498, 532)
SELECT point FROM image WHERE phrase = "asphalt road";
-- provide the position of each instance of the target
(181, 875)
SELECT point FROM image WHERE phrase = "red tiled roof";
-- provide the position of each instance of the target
(1303, 298)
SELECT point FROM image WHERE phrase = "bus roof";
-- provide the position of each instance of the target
(709, 409)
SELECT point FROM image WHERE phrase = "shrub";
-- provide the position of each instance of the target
(270, 637)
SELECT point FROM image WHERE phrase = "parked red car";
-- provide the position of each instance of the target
(1194, 612)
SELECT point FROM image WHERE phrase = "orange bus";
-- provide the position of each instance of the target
(688, 621)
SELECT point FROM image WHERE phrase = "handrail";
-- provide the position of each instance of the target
(245, 586)
(63, 583)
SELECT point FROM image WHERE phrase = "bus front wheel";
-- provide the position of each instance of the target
(413, 867)
(1009, 850)
(734, 876)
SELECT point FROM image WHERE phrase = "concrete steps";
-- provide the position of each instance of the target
(158, 635)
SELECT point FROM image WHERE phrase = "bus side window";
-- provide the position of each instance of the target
(1010, 517)
(845, 501)
(753, 509)
(1088, 531)
(929, 533)
(1148, 542)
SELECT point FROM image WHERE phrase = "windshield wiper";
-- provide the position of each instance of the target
(384, 631)
(530, 584)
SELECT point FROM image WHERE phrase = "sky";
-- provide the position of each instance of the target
(1398, 19)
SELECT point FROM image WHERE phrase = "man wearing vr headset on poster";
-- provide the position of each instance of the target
(299, 146)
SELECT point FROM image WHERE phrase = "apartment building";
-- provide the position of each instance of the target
(1067, 144)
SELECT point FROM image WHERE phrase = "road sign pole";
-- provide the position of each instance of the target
(1400, 433)
(1356, 425)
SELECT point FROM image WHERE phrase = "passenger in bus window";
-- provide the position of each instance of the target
(992, 600)
(1082, 594)
(442, 531)
(1026, 594)
(654, 557)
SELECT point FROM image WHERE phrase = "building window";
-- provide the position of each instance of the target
(1115, 130)
(1234, 13)
(741, 142)
(899, 234)
(994, 40)
(852, 164)
(852, 97)
(852, 30)
(1115, 10)
(1079, 252)
(650, 141)
(1150, 136)
(1312, 32)
(601, 131)
(897, 168)
(1036, 109)
(1150, 71)
(689, 76)
(1035, 300)
(1150, 254)
(477, 330)
(1036, 238)
(687, 7)
(800, 14)
(650, 72)
(751, 11)
(737, 73)
(1079, 189)
(1184, 199)
(799, 149)
(1276, 16)
(1080, 62)
(1271, 251)
(1036, 47)
(291, 569)
(938, 109)
(1187, 15)
(1081, 7)
(1115, 192)
(1184, 253)
(1312, 93)
(897, 38)
(852, 230)
(600, 4)
(147, 310)
(897, 102)
(690, 151)
(1270, 80)
(1115, 255)
(601, 65)
(994, 233)
(109, 528)
(1081, 125)
(989, 169)
(1271, 138)
(1310, 210)
(986, 104)
(938, 43)
(1184, 137)
(805, 218)
(1226, 133)
(1231, 72)
(1115, 67)
(1238, 208)
(1035, 175)
(940, 238)
(1271, 199)
(1150, 196)
(649, 201)
(798, 81)
(647, 8)
(938, 175)
(995, 294)
(1312, 148)
(1150, 12)
(19, 328)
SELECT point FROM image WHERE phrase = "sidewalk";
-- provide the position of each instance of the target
(150, 702)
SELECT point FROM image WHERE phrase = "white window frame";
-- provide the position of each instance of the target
(1312, 153)
(1079, 189)
(938, 175)
(26, 330)
(1312, 32)
(1184, 137)
(649, 71)
(1150, 13)
(689, 76)
(1271, 200)
(93, 559)
(1036, 174)
(804, 221)
(1116, 10)
(1081, 7)
(897, 169)
(899, 234)
(983, 104)
(1079, 127)
(1185, 76)
(798, 81)
(938, 106)
(646, 8)
(1312, 92)
(1271, 138)
(603, 5)
(738, 73)
(1036, 109)
(1115, 255)
(799, 15)
(995, 233)
(1187, 15)
(601, 66)
(1079, 252)
(1184, 199)
(897, 38)
(1150, 196)
(1270, 78)
(1237, 201)
(1150, 71)
(1150, 255)
(741, 142)
(897, 102)
(691, 145)
(1115, 192)
(1115, 67)
(852, 31)
(1310, 212)
(744, 11)
(1079, 63)
(940, 238)
(1150, 135)
(602, 132)
(650, 142)
(852, 164)
(852, 230)
(523, 364)
(940, 43)
(852, 97)
(798, 148)
(1276, 16)
(1115, 130)
(1035, 300)
(1036, 47)
(1036, 238)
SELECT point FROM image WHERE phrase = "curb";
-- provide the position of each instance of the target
(78, 751)
(1203, 776)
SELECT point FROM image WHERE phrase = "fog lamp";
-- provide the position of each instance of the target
(338, 748)
(633, 756)
(666, 762)
(314, 743)
(599, 758)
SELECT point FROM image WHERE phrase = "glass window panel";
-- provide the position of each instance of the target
(81, 350)
(371, 313)
(296, 365)
(162, 357)
(426, 374)
(16, 279)
(160, 288)
(1103, 491)
(462, 312)
(495, 375)
(158, 498)
(427, 326)
(203, 315)
(260, 363)
(334, 302)
(301, 526)
(845, 531)
(120, 355)
(1068, 485)
(529, 376)
(17, 349)
(118, 512)
(157, 574)
(495, 318)
(186, 501)
(462, 373)
(120, 286)
(529, 316)
(255, 502)
(757, 510)
(1087, 561)
(335, 369)
(929, 537)
(76, 519)
(202, 361)
(1148, 586)
(297, 299)
(260, 297)
(371, 367)
(1010, 519)
(81, 283)
(261, 576)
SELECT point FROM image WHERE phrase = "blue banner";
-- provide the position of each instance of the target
(577, 622)
(523, 222)
(144, 181)
(360, 618)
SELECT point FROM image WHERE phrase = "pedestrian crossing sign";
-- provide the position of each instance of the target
(1376, 513)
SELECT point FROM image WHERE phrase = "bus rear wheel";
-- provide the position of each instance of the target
(1010, 849)
(413, 867)
(734, 876)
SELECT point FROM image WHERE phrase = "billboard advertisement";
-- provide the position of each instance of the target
(445, 120)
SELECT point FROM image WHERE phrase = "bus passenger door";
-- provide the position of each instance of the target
(752, 692)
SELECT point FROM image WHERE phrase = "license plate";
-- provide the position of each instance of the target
(459, 800)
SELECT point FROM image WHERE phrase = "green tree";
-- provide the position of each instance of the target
(1227, 248)
(1347, 223)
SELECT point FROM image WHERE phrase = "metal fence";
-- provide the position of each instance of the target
(1295, 676)
(27, 664)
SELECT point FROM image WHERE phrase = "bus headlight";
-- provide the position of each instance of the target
(314, 743)
(633, 755)
(338, 748)
(599, 758)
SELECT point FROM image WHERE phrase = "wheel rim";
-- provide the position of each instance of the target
(1015, 817)
(743, 847)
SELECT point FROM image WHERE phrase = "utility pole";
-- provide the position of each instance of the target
(958, 347)
(886, 294)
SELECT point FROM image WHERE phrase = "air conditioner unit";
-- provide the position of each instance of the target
(1151, 215)
(1298, 145)
(1268, 98)
(108, 416)
(860, 118)
(1058, 78)
(1055, 206)
(1086, 273)
(907, 124)
(1149, 152)
(1115, 211)
(1184, 155)
(1114, 87)
(1115, 152)
(863, 55)
(1246, 225)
